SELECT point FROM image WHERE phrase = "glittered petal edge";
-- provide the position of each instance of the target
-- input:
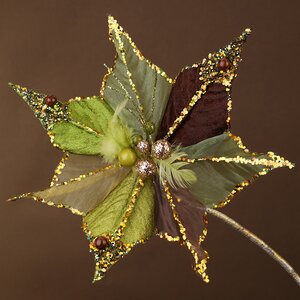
(200, 264)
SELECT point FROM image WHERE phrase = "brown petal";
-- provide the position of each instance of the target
(198, 105)
(207, 119)
(165, 222)
(191, 215)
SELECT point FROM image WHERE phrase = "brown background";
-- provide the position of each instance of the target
(59, 47)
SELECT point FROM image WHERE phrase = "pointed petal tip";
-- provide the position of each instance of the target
(290, 165)
(110, 18)
(111, 21)
(248, 30)
(112, 24)
(16, 87)
(13, 86)
(23, 196)
(97, 277)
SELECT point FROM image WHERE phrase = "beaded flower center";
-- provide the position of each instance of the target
(146, 166)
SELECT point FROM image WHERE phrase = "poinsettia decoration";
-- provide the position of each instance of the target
(149, 155)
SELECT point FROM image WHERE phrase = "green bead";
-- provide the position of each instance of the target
(127, 157)
(149, 127)
(136, 138)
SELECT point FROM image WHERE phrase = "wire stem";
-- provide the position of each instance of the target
(256, 240)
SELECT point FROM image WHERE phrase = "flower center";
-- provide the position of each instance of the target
(146, 166)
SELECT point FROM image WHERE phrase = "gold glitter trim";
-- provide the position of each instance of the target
(78, 99)
(88, 174)
(200, 265)
(204, 232)
(168, 237)
(59, 168)
(50, 203)
(241, 186)
(130, 207)
(229, 109)
(276, 161)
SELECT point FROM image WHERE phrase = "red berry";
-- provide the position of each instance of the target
(101, 242)
(224, 64)
(50, 100)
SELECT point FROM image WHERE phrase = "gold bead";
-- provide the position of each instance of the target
(161, 149)
(143, 147)
(146, 168)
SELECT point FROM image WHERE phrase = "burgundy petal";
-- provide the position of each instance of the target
(165, 222)
(191, 215)
(208, 117)
(206, 114)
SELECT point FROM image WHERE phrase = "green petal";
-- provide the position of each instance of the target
(70, 137)
(107, 217)
(223, 166)
(77, 126)
(47, 115)
(92, 112)
(146, 86)
(75, 165)
(140, 224)
(82, 133)
(83, 193)
(125, 218)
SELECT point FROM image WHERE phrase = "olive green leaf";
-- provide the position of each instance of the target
(106, 218)
(83, 131)
(81, 125)
(144, 85)
(92, 128)
(223, 166)
(72, 166)
(71, 138)
(91, 112)
(83, 193)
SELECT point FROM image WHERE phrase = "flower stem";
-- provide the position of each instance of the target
(256, 240)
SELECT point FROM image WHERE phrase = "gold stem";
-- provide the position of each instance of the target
(256, 240)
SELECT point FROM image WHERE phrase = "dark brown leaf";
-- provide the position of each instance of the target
(208, 117)
(191, 214)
